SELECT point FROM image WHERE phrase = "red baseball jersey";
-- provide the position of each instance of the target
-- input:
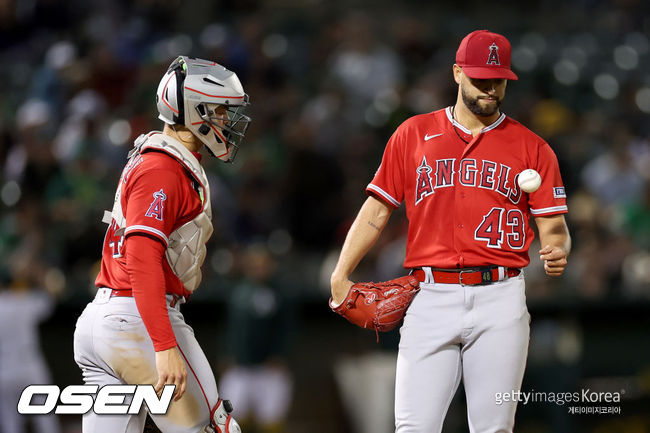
(462, 200)
(157, 197)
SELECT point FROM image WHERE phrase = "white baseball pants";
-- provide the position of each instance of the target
(112, 346)
(477, 333)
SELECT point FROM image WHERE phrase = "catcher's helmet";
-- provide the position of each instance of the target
(190, 94)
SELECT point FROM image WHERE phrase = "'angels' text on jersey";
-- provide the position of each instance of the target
(468, 172)
(460, 190)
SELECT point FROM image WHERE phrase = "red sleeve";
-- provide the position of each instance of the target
(550, 198)
(154, 202)
(388, 183)
(144, 263)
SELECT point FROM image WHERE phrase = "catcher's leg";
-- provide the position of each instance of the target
(495, 356)
(428, 362)
(200, 408)
(92, 331)
(222, 421)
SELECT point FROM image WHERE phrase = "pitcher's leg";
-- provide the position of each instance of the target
(424, 388)
(495, 359)
(428, 363)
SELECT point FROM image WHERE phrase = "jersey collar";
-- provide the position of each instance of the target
(467, 131)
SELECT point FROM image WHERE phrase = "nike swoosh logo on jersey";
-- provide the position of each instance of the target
(428, 137)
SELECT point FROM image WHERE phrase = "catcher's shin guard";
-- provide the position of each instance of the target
(222, 421)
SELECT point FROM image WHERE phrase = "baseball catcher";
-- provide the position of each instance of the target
(133, 332)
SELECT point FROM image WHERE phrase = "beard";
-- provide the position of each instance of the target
(473, 105)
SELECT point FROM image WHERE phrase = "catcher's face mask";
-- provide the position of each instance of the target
(224, 126)
(190, 93)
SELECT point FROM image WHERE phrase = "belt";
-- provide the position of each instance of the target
(129, 293)
(466, 276)
(125, 292)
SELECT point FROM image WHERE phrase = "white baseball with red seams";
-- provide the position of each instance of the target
(529, 180)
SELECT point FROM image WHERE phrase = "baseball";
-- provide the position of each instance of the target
(529, 180)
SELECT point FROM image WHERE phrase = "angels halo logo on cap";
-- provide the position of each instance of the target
(485, 55)
(493, 58)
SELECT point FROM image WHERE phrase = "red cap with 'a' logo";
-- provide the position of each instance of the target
(483, 55)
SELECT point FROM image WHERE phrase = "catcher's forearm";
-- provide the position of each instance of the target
(363, 234)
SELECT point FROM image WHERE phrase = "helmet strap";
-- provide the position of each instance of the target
(180, 79)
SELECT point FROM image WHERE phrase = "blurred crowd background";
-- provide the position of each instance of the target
(329, 81)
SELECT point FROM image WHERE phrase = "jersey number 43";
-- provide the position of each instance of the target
(498, 225)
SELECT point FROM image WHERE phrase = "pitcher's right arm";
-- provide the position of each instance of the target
(363, 234)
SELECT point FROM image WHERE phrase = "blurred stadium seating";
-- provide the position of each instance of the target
(329, 81)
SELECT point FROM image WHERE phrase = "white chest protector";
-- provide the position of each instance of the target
(186, 247)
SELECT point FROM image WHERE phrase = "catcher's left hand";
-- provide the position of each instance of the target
(379, 306)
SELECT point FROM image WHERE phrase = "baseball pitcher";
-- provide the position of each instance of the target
(133, 332)
(456, 171)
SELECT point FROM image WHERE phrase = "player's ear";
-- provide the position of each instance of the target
(458, 72)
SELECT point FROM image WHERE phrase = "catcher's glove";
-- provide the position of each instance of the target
(378, 306)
